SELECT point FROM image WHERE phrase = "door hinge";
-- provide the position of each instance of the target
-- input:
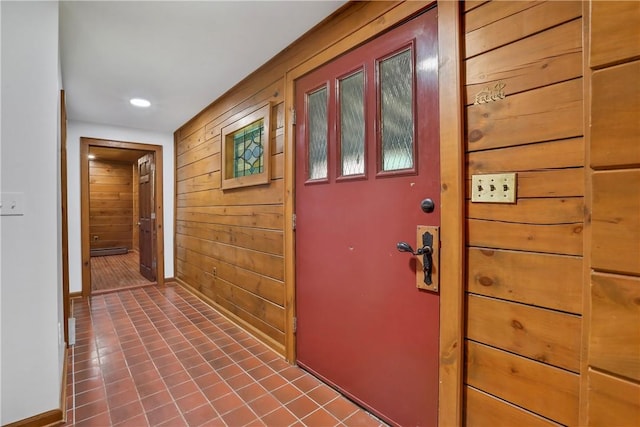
(293, 116)
(295, 325)
(293, 221)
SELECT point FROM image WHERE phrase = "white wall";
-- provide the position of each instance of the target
(75, 130)
(30, 287)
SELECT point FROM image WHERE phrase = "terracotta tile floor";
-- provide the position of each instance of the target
(161, 357)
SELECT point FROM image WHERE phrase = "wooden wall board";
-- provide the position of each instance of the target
(542, 59)
(259, 262)
(615, 33)
(542, 211)
(261, 195)
(543, 156)
(516, 26)
(544, 114)
(542, 389)
(209, 181)
(479, 14)
(542, 280)
(206, 149)
(563, 239)
(483, 409)
(537, 333)
(615, 221)
(110, 204)
(199, 167)
(260, 285)
(104, 170)
(257, 239)
(260, 216)
(615, 116)
(190, 142)
(612, 401)
(614, 330)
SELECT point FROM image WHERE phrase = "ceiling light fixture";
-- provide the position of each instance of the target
(139, 102)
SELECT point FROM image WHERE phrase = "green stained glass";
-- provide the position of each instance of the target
(248, 150)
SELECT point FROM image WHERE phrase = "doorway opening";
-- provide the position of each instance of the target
(121, 221)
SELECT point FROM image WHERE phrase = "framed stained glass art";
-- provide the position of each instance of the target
(245, 150)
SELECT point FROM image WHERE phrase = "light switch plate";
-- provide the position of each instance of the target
(11, 204)
(493, 188)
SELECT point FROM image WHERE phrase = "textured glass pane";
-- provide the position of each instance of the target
(396, 98)
(248, 156)
(352, 124)
(317, 122)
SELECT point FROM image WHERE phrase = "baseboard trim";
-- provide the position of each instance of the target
(45, 419)
(54, 417)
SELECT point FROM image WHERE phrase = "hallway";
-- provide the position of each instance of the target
(161, 357)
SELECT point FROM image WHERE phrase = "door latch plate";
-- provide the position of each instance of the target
(435, 268)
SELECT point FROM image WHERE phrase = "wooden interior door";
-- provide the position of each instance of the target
(367, 149)
(147, 216)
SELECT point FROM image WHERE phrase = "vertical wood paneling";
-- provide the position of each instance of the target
(612, 350)
(615, 116)
(615, 33)
(614, 332)
(612, 401)
(616, 221)
(110, 204)
(525, 265)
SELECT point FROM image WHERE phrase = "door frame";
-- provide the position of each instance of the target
(452, 179)
(85, 143)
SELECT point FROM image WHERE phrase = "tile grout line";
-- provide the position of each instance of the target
(135, 298)
(265, 364)
(225, 380)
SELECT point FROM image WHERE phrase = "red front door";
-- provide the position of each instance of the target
(367, 155)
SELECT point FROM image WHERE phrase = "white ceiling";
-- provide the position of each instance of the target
(180, 55)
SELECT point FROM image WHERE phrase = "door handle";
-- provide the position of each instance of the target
(426, 251)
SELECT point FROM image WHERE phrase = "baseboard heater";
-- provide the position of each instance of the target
(109, 251)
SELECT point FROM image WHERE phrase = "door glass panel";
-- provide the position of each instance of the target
(352, 124)
(396, 111)
(318, 126)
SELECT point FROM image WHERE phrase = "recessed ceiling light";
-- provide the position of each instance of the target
(91, 156)
(139, 102)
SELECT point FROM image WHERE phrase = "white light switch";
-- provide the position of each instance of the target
(12, 204)
(493, 188)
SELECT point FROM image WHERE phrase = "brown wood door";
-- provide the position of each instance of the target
(147, 216)
(367, 149)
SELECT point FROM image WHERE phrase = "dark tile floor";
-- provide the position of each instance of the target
(158, 356)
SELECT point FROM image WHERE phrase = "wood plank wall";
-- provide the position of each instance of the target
(525, 260)
(110, 204)
(613, 372)
(229, 244)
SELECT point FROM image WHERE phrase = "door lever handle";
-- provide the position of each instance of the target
(426, 251)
